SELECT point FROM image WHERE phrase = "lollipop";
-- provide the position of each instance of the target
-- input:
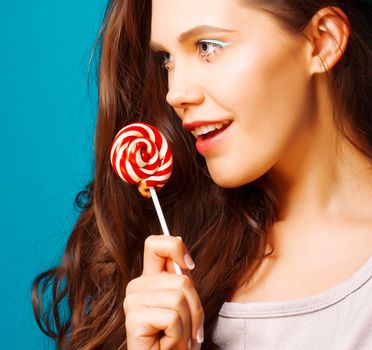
(140, 155)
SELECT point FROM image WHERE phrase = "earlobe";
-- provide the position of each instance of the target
(329, 32)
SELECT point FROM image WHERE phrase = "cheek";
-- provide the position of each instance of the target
(261, 83)
(267, 99)
(266, 90)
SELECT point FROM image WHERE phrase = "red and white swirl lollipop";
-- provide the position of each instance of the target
(140, 155)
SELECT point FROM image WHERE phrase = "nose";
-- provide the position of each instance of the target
(183, 90)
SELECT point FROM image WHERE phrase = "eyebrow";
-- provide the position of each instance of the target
(185, 36)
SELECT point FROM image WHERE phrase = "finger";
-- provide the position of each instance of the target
(142, 330)
(164, 299)
(160, 248)
(177, 282)
(171, 269)
(196, 346)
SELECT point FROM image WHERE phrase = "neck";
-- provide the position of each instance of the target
(323, 173)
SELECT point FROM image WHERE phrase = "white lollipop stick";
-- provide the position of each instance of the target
(163, 224)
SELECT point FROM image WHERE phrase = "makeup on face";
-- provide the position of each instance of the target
(237, 80)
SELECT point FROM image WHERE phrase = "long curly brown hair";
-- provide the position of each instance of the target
(79, 302)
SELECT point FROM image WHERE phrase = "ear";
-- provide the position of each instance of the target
(329, 32)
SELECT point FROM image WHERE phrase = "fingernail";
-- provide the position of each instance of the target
(200, 335)
(179, 237)
(189, 262)
(189, 344)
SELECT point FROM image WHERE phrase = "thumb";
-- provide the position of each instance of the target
(170, 268)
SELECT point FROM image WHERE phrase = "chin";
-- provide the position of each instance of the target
(227, 180)
(227, 177)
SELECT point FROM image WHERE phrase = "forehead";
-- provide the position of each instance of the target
(181, 15)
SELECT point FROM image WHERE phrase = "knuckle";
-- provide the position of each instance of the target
(133, 321)
(149, 241)
(178, 244)
(130, 288)
(126, 303)
(174, 318)
(178, 299)
(183, 281)
(138, 331)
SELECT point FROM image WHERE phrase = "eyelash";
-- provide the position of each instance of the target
(216, 44)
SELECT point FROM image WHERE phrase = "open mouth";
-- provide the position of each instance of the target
(214, 132)
(208, 137)
(208, 131)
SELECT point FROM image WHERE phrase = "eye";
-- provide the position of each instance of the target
(165, 59)
(207, 48)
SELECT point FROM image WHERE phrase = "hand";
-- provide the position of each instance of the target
(163, 310)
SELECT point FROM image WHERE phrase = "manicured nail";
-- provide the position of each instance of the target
(200, 335)
(189, 344)
(179, 237)
(188, 261)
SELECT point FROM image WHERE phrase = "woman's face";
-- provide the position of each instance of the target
(238, 81)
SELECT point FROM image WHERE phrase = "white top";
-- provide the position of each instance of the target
(339, 318)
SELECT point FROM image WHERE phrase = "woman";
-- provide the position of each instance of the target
(272, 205)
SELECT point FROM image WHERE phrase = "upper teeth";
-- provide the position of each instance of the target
(205, 129)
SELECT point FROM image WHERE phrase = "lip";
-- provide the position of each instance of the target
(191, 126)
(206, 146)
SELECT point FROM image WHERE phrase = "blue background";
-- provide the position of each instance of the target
(47, 119)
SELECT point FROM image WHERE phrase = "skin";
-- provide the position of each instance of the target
(272, 86)
(160, 300)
